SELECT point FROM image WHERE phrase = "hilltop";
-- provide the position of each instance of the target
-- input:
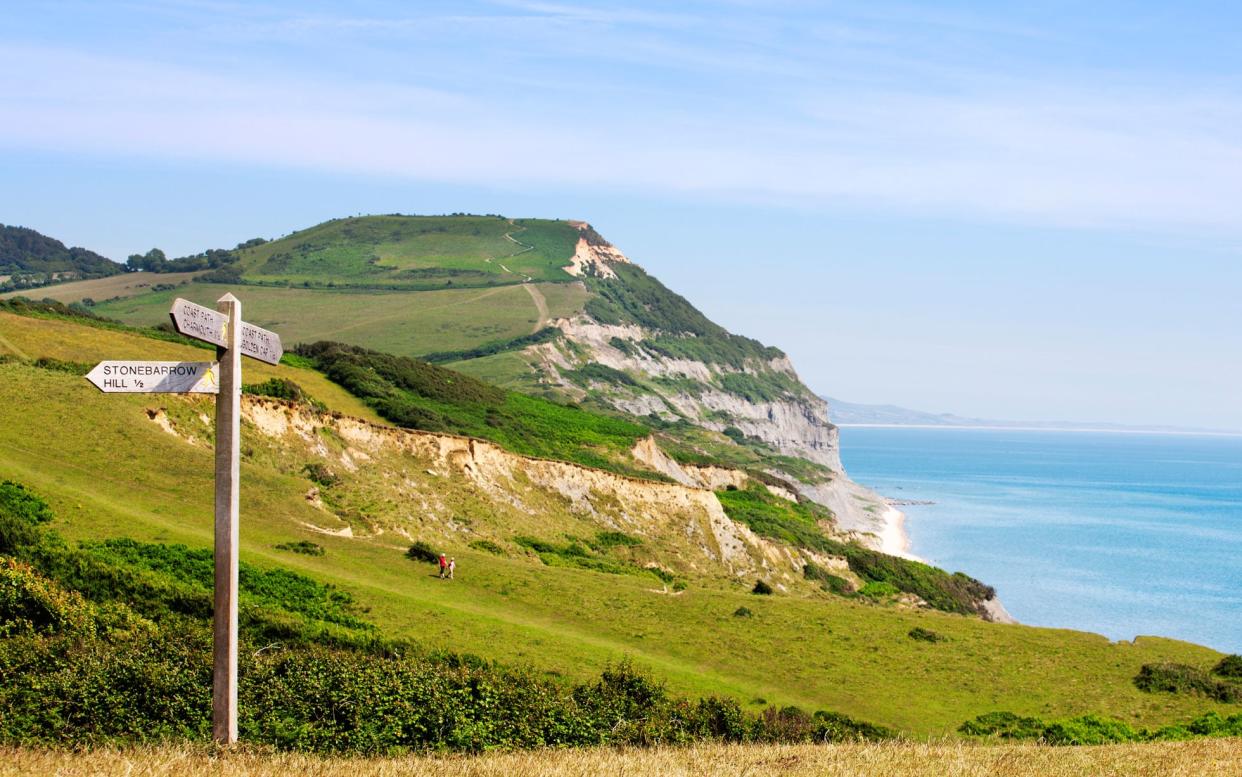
(29, 259)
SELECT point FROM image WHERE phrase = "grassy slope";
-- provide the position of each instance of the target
(1203, 758)
(407, 323)
(33, 338)
(100, 289)
(403, 249)
(109, 471)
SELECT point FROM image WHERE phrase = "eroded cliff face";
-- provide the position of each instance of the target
(421, 485)
(779, 410)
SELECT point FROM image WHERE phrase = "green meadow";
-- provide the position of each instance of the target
(109, 471)
(416, 251)
(406, 323)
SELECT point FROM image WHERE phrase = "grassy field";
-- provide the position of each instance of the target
(416, 251)
(34, 338)
(108, 471)
(405, 323)
(1204, 758)
(100, 289)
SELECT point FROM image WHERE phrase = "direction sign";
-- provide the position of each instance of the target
(225, 329)
(212, 327)
(121, 377)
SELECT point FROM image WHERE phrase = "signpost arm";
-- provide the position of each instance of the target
(228, 449)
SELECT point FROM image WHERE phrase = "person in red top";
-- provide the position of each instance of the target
(443, 566)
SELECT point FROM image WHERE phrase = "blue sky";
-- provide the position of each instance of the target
(1029, 212)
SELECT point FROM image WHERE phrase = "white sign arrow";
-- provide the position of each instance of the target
(212, 327)
(121, 377)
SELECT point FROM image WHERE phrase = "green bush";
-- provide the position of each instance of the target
(1095, 730)
(56, 365)
(594, 372)
(761, 588)
(827, 581)
(305, 547)
(920, 634)
(21, 512)
(32, 604)
(317, 472)
(1004, 725)
(1229, 666)
(743, 612)
(487, 546)
(283, 388)
(614, 539)
(545, 335)
(877, 590)
(1089, 730)
(421, 551)
(1182, 678)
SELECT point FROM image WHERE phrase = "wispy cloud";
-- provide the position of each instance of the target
(840, 111)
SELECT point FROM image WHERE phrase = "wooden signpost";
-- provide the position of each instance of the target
(233, 338)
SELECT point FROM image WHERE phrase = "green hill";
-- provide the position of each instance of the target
(29, 259)
(563, 568)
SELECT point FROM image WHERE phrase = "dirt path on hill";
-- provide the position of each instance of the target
(541, 303)
(524, 248)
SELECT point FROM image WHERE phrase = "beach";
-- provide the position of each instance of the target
(893, 537)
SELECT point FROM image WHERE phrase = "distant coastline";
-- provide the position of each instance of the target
(1078, 429)
(853, 414)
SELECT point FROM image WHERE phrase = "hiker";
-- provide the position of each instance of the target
(443, 565)
(452, 566)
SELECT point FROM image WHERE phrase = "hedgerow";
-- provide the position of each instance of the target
(1095, 730)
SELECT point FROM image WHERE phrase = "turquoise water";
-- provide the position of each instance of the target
(1119, 534)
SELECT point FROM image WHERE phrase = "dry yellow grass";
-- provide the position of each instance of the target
(954, 759)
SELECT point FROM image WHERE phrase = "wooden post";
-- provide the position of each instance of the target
(228, 452)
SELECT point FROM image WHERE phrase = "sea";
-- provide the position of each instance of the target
(1114, 533)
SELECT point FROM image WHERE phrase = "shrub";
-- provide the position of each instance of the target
(827, 581)
(835, 727)
(743, 612)
(761, 588)
(421, 551)
(614, 539)
(305, 547)
(32, 604)
(1089, 730)
(56, 365)
(488, 546)
(319, 473)
(21, 512)
(1229, 666)
(1003, 725)
(787, 724)
(878, 590)
(1182, 678)
(920, 634)
(282, 388)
